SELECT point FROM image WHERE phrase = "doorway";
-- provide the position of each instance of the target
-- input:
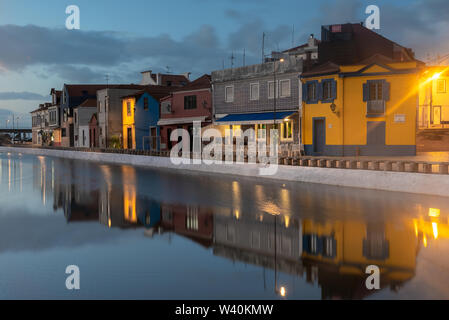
(319, 136)
(130, 138)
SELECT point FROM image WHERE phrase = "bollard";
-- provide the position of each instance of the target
(352, 164)
(443, 168)
(414, 167)
(364, 165)
(388, 166)
(322, 163)
(427, 167)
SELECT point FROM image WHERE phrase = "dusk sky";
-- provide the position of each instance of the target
(122, 38)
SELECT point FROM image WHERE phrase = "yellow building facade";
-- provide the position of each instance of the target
(366, 109)
(434, 98)
(129, 128)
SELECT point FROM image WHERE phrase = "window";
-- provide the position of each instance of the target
(287, 130)
(329, 247)
(329, 90)
(128, 108)
(229, 94)
(284, 88)
(254, 91)
(261, 131)
(192, 218)
(375, 94)
(310, 92)
(145, 103)
(441, 86)
(271, 90)
(189, 102)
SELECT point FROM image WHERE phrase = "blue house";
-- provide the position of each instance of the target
(141, 112)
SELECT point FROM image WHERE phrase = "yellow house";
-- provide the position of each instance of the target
(434, 98)
(364, 109)
(129, 127)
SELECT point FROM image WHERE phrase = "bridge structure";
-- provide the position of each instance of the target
(21, 134)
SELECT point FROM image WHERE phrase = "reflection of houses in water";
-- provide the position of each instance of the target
(190, 221)
(75, 193)
(333, 254)
(336, 255)
(265, 240)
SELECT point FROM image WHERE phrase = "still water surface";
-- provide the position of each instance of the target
(137, 233)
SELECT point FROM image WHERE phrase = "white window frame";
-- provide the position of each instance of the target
(251, 91)
(229, 99)
(289, 88)
(277, 90)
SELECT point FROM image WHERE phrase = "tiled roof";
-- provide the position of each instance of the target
(325, 68)
(88, 103)
(78, 90)
(202, 82)
(157, 92)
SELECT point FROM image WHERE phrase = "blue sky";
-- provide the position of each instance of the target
(122, 38)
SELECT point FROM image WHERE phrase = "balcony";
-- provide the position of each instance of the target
(375, 108)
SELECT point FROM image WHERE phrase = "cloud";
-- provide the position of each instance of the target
(21, 96)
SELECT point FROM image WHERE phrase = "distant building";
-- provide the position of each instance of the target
(93, 132)
(82, 115)
(184, 106)
(141, 112)
(434, 98)
(41, 133)
(53, 117)
(160, 79)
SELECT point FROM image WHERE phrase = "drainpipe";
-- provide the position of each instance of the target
(343, 114)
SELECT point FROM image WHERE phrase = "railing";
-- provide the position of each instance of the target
(293, 158)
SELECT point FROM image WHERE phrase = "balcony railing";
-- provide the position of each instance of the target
(375, 108)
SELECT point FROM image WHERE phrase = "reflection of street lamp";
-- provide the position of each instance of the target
(281, 291)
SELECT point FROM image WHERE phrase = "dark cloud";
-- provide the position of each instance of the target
(21, 96)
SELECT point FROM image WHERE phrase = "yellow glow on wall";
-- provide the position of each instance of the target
(424, 241)
(435, 230)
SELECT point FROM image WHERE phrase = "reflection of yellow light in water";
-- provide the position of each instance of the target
(424, 241)
(434, 212)
(237, 214)
(287, 221)
(109, 222)
(435, 229)
(129, 194)
(283, 291)
(261, 218)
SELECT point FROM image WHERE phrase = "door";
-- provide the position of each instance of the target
(153, 138)
(319, 136)
(436, 115)
(130, 138)
(169, 143)
(375, 135)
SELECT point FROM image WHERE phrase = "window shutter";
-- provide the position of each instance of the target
(319, 87)
(304, 92)
(365, 92)
(306, 243)
(334, 89)
(386, 90)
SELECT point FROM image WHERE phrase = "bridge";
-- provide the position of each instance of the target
(15, 131)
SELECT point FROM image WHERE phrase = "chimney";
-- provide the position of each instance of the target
(311, 42)
(159, 79)
(147, 78)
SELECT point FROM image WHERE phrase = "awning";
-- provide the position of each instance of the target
(254, 118)
(173, 121)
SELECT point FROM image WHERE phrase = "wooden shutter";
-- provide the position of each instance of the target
(386, 90)
(334, 89)
(304, 92)
(365, 92)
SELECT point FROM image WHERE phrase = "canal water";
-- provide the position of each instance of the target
(138, 233)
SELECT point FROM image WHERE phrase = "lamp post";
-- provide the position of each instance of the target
(275, 92)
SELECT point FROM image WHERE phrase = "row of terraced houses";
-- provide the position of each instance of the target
(352, 92)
